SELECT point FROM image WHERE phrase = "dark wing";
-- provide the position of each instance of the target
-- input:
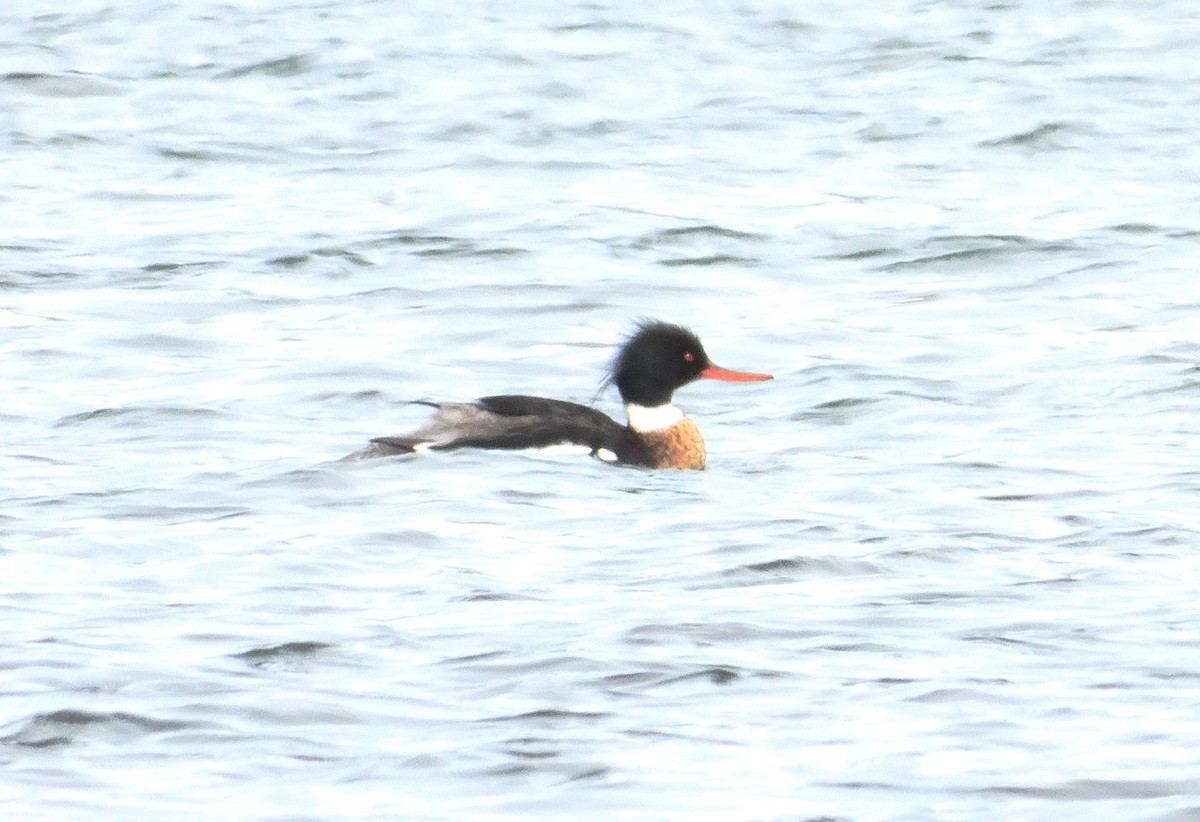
(512, 421)
(536, 422)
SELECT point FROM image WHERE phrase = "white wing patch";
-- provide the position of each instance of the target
(570, 449)
(566, 449)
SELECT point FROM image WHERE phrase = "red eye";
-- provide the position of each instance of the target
(688, 356)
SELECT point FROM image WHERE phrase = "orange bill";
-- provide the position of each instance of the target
(716, 372)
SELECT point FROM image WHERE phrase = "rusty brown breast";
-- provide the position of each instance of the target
(679, 446)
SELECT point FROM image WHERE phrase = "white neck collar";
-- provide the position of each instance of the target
(658, 418)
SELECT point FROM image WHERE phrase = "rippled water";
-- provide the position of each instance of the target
(943, 567)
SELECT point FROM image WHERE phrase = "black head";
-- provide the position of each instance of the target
(658, 359)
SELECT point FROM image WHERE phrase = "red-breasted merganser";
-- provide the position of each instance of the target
(658, 359)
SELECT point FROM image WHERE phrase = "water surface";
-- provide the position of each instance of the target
(943, 567)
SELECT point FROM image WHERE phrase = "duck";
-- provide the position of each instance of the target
(655, 361)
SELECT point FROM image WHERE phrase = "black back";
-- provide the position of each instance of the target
(537, 422)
